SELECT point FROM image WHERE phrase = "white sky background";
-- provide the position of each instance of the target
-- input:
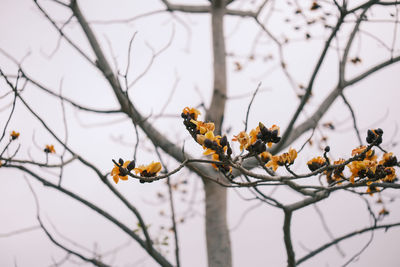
(258, 239)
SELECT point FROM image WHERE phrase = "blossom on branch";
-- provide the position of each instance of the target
(388, 160)
(121, 172)
(243, 138)
(203, 127)
(150, 170)
(374, 136)
(191, 112)
(203, 132)
(49, 149)
(265, 156)
(282, 160)
(369, 155)
(316, 163)
(14, 135)
(336, 171)
(258, 138)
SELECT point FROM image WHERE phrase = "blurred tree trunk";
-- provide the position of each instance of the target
(217, 233)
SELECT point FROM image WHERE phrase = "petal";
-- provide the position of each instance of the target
(203, 130)
(200, 139)
(215, 157)
(139, 169)
(208, 152)
(209, 135)
(126, 163)
(115, 170)
(154, 167)
(116, 178)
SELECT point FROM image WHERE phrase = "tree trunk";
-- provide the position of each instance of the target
(217, 233)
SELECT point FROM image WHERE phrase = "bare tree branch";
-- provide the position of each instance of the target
(344, 237)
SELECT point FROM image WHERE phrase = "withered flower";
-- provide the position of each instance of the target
(316, 163)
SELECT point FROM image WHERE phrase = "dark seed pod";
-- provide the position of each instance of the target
(314, 166)
(369, 139)
(123, 171)
(223, 141)
(259, 147)
(388, 171)
(214, 145)
(276, 140)
(275, 133)
(327, 149)
(208, 143)
(371, 136)
(379, 131)
(131, 165)
(229, 151)
(379, 140)
(391, 162)
(121, 161)
(370, 133)
(265, 131)
(362, 173)
(370, 174)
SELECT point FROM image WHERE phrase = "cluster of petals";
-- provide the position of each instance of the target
(316, 163)
(372, 169)
(119, 172)
(148, 170)
(243, 138)
(203, 127)
(282, 160)
(211, 143)
(203, 132)
(246, 140)
(191, 111)
(364, 165)
(337, 173)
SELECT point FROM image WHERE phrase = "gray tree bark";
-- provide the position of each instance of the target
(217, 233)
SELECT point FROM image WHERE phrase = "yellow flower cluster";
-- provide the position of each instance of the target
(257, 138)
(282, 160)
(366, 167)
(364, 163)
(257, 141)
(203, 133)
(149, 170)
(192, 112)
(121, 172)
